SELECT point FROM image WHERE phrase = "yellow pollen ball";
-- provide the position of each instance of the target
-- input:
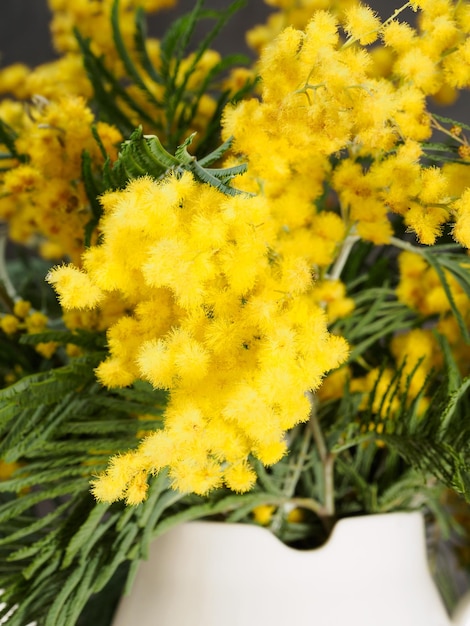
(21, 308)
(263, 514)
(9, 324)
(75, 289)
(362, 23)
(240, 477)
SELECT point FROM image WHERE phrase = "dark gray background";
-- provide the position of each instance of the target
(24, 34)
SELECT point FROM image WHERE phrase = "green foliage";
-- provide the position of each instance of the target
(457, 266)
(57, 427)
(174, 112)
(445, 152)
(385, 452)
(377, 314)
(51, 566)
(7, 138)
(405, 465)
(144, 155)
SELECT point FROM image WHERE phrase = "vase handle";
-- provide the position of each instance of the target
(461, 616)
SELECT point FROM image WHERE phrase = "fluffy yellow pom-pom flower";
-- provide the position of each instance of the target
(9, 324)
(240, 477)
(362, 23)
(75, 288)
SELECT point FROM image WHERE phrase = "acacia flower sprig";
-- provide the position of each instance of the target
(209, 318)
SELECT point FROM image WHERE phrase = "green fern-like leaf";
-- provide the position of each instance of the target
(455, 265)
(145, 155)
(7, 138)
(434, 443)
(129, 65)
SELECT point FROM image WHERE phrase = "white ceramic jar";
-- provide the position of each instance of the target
(373, 571)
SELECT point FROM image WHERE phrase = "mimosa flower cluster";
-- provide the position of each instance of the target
(228, 302)
(25, 319)
(433, 54)
(218, 317)
(322, 114)
(229, 298)
(44, 198)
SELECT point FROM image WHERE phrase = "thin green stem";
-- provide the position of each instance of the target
(396, 13)
(343, 256)
(310, 504)
(437, 126)
(315, 428)
(295, 472)
(7, 290)
(404, 245)
(409, 247)
(327, 459)
(281, 502)
(329, 469)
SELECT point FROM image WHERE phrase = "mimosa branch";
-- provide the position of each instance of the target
(340, 262)
(327, 459)
(409, 247)
(7, 291)
(293, 479)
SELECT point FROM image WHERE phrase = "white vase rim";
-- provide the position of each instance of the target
(345, 525)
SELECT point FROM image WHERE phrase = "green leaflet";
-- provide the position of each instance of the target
(8, 137)
(450, 121)
(85, 532)
(144, 155)
(37, 524)
(117, 555)
(71, 582)
(448, 262)
(35, 427)
(434, 443)
(140, 43)
(43, 477)
(106, 88)
(77, 600)
(93, 190)
(376, 314)
(454, 398)
(165, 501)
(130, 67)
(14, 508)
